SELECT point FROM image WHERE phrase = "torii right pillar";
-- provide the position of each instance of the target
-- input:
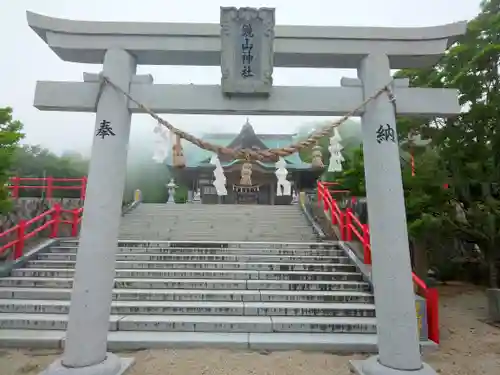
(398, 339)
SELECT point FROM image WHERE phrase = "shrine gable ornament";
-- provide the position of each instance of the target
(247, 48)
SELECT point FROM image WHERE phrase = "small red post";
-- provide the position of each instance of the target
(56, 220)
(320, 194)
(16, 181)
(342, 225)
(366, 244)
(353, 200)
(19, 246)
(49, 187)
(83, 188)
(432, 301)
(348, 224)
(74, 222)
(326, 202)
(333, 213)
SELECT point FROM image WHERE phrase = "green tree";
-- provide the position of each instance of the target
(426, 201)
(469, 145)
(10, 136)
(35, 161)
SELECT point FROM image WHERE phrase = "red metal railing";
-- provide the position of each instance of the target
(47, 184)
(351, 228)
(53, 219)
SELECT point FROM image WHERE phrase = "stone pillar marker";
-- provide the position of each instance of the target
(398, 337)
(87, 333)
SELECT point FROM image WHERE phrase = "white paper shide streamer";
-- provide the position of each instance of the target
(284, 186)
(220, 178)
(335, 149)
(162, 143)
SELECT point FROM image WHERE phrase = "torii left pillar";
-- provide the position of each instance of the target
(85, 351)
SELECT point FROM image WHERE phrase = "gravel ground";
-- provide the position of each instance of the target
(468, 347)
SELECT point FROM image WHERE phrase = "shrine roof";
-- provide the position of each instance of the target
(197, 157)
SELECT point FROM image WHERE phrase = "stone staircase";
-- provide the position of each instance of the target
(161, 222)
(258, 295)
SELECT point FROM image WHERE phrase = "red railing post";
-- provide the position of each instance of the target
(16, 181)
(74, 222)
(50, 183)
(56, 220)
(83, 188)
(333, 213)
(320, 193)
(342, 225)
(348, 224)
(20, 233)
(432, 303)
(367, 255)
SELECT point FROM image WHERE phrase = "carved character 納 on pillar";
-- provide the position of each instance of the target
(246, 174)
(386, 134)
(105, 129)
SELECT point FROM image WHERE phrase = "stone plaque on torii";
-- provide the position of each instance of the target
(373, 51)
(247, 38)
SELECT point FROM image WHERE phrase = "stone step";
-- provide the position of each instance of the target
(224, 284)
(187, 258)
(117, 341)
(179, 235)
(200, 323)
(247, 245)
(196, 220)
(237, 308)
(197, 295)
(199, 274)
(214, 251)
(311, 267)
(235, 227)
(212, 234)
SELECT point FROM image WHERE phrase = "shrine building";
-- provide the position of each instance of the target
(197, 175)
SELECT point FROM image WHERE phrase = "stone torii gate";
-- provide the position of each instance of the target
(246, 88)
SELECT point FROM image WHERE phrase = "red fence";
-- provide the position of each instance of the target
(47, 184)
(52, 218)
(351, 228)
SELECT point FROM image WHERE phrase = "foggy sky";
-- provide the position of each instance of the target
(25, 58)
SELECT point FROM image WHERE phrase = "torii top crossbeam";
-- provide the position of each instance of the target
(200, 43)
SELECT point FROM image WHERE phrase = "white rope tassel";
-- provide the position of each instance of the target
(220, 178)
(284, 186)
(336, 157)
(162, 143)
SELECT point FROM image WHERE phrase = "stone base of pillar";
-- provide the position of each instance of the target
(113, 365)
(372, 366)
